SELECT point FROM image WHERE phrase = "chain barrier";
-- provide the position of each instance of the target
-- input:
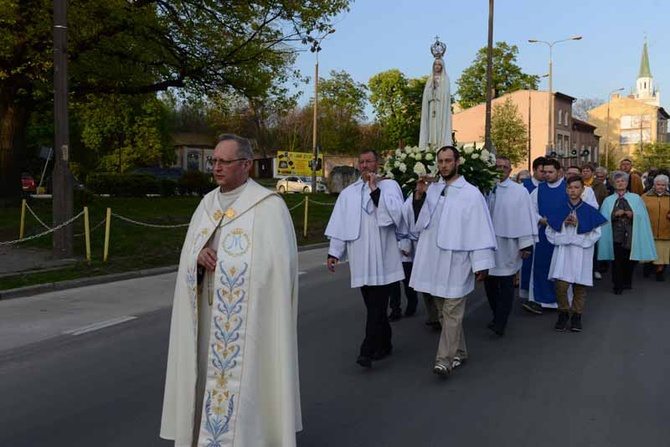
(296, 205)
(50, 230)
(35, 216)
(92, 229)
(144, 224)
(321, 203)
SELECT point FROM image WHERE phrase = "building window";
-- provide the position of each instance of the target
(560, 116)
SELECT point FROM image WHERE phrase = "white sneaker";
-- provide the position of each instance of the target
(597, 275)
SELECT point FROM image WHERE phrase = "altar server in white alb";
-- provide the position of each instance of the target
(516, 231)
(456, 245)
(363, 226)
(573, 228)
(232, 373)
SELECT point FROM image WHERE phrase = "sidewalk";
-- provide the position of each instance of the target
(15, 260)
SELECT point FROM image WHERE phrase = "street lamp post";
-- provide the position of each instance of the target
(607, 132)
(530, 91)
(489, 82)
(315, 48)
(550, 139)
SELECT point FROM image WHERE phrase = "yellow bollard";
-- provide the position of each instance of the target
(23, 218)
(304, 229)
(87, 235)
(107, 225)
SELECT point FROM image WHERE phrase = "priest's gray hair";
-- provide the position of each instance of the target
(619, 174)
(601, 169)
(244, 148)
(661, 178)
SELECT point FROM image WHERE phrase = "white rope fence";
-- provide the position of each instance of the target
(50, 230)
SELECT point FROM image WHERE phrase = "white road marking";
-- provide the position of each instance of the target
(100, 325)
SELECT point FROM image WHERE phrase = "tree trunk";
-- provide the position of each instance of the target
(13, 124)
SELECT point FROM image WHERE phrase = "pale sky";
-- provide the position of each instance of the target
(379, 35)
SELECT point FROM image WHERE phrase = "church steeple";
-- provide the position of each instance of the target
(645, 70)
(645, 89)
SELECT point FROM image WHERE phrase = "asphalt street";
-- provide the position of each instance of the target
(86, 367)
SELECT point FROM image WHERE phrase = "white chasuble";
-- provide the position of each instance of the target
(248, 390)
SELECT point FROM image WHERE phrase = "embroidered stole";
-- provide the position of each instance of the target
(228, 331)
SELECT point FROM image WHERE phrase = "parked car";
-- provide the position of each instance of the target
(293, 184)
(320, 186)
(28, 183)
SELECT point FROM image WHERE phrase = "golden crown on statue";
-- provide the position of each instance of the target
(438, 48)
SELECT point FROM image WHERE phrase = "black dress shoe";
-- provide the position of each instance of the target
(396, 314)
(382, 353)
(364, 361)
(499, 332)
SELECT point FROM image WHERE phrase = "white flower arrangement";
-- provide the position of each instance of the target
(405, 166)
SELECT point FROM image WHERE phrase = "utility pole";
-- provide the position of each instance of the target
(62, 179)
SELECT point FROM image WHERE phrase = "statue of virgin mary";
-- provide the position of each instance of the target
(436, 103)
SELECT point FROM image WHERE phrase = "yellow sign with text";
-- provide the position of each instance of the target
(297, 163)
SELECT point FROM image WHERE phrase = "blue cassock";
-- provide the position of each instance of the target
(528, 184)
(588, 217)
(547, 200)
(526, 266)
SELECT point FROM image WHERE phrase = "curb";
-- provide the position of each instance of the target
(102, 279)
(81, 282)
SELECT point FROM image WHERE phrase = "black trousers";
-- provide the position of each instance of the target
(622, 268)
(410, 294)
(377, 327)
(500, 293)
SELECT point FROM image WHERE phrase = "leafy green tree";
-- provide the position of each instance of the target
(147, 46)
(397, 104)
(507, 76)
(341, 109)
(508, 131)
(653, 154)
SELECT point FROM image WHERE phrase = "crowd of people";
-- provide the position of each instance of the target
(550, 233)
(232, 373)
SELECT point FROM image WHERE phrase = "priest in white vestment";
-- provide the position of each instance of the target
(456, 246)
(573, 228)
(516, 231)
(363, 227)
(232, 373)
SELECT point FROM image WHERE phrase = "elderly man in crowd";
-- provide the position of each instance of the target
(657, 201)
(590, 180)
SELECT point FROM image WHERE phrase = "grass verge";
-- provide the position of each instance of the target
(132, 246)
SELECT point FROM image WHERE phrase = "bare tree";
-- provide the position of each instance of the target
(582, 106)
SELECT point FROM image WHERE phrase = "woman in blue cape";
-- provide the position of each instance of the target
(627, 238)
